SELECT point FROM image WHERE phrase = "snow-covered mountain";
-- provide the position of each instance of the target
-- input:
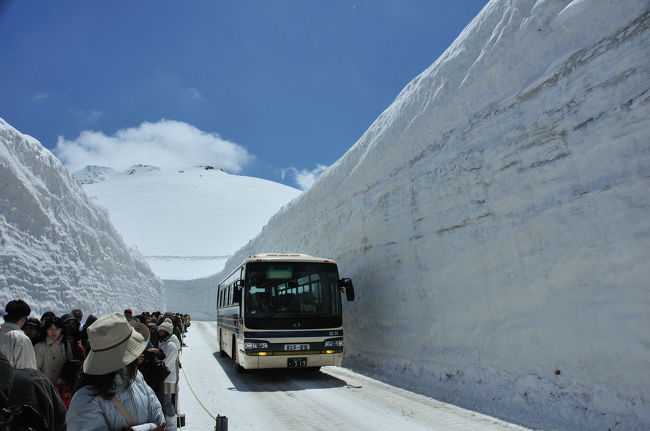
(185, 221)
(496, 220)
(58, 249)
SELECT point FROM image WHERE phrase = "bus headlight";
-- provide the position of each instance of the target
(334, 344)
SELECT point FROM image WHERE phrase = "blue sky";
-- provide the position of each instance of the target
(264, 87)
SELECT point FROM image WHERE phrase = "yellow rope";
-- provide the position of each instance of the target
(197, 398)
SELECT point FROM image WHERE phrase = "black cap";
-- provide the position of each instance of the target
(67, 317)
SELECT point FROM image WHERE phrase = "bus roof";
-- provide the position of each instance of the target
(279, 257)
(286, 257)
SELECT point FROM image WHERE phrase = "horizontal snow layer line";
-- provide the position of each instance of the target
(188, 257)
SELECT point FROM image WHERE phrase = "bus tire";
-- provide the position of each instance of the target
(222, 351)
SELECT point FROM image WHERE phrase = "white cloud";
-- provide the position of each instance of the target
(305, 178)
(195, 94)
(40, 97)
(86, 118)
(166, 143)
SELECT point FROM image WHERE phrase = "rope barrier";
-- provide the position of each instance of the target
(197, 398)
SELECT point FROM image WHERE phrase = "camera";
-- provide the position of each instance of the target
(21, 417)
(153, 354)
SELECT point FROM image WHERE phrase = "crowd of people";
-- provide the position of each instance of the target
(115, 372)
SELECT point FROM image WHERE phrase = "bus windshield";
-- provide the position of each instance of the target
(290, 295)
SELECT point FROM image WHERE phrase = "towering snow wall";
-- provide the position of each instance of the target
(496, 220)
(58, 250)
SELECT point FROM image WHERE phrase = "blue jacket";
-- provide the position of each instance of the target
(90, 412)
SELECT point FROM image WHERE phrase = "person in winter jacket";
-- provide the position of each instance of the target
(67, 381)
(153, 334)
(48, 315)
(79, 315)
(151, 363)
(112, 394)
(170, 346)
(14, 344)
(30, 387)
(72, 336)
(128, 313)
(52, 352)
(152, 366)
(32, 328)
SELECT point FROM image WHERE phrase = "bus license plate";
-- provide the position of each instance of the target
(296, 347)
(297, 362)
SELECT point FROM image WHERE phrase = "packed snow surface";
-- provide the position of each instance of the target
(495, 220)
(58, 249)
(297, 400)
(185, 221)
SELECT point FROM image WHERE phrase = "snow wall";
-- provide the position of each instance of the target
(495, 221)
(196, 297)
(58, 249)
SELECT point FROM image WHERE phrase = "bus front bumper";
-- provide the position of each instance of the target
(249, 361)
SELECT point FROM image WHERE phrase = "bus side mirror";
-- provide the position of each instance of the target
(346, 285)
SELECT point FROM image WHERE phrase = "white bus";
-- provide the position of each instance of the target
(282, 311)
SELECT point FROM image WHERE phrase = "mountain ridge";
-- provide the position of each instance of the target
(185, 221)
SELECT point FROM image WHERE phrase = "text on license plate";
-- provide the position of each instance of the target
(297, 362)
(296, 347)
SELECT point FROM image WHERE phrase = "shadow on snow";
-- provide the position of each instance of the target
(277, 380)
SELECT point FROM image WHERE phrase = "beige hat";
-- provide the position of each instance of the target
(141, 328)
(114, 344)
(166, 326)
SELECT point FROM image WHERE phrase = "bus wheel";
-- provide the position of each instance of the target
(222, 351)
(238, 368)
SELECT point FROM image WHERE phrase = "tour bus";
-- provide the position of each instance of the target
(282, 311)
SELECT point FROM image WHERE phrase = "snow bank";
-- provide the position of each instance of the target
(58, 250)
(495, 220)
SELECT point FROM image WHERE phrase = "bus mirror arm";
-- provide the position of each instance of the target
(346, 285)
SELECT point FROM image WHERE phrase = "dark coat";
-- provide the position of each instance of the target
(18, 387)
(154, 374)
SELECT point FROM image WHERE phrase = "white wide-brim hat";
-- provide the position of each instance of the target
(114, 344)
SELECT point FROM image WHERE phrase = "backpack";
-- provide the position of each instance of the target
(21, 417)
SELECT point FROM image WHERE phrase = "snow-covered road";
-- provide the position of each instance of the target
(334, 398)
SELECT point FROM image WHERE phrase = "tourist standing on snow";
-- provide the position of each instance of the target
(32, 328)
(48, 315)
(72, 336)
(113, 395)
(170, 346)
(52, 352)
(31, 388)
(14, 344)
